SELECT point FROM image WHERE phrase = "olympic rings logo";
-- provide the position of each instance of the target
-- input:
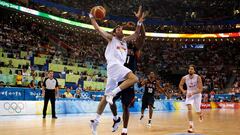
(14, 107)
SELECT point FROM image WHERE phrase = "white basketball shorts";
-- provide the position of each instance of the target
(115, 74)
(195, 101)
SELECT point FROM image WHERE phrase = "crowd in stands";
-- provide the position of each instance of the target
(215, 61)
(162, 9)
(18, 36)
(187, 11)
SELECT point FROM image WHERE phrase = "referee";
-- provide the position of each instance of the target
(50, 88)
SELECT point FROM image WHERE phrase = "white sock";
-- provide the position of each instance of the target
(116, 91)
(97, 117)
(191, 123)
(115, 117)
(124, 130)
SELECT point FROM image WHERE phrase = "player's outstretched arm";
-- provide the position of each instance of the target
(103, 33)
(137, 31)
(141, 38)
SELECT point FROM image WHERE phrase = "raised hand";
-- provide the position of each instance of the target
(142, 17)
(139, 13)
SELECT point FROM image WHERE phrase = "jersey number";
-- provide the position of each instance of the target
(150, 90)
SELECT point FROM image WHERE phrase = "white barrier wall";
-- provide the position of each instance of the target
(75, 106)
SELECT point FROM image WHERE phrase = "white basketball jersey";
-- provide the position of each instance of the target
(116, 52)
(191, 83)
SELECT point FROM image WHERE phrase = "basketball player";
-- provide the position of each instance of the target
(193, 94)
(151, 85)
(115, 54)
(127, 96)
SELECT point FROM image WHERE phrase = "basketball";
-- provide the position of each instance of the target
(98, 12)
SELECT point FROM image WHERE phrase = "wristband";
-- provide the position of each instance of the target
(139, 23)
(90, 16)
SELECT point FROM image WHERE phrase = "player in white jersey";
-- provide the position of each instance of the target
(193, 94)
(115, 54)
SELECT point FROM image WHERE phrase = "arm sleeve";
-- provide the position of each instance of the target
(44, 82)
(56, 82)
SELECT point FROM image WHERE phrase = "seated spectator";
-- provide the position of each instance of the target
(10, 65)
(27, 66)
(63, 73)
(44, 75)
(231, 92)
(90, 78)
(79, 87)
(70, 72)
(10, 72)
(77, 94)
(212, 93)
(33, 74)
(68, 94)
(1, 84)
(40, 84)
(205, 97)
(32, 85)
(25, 75)
(19, 79)
(35, 67)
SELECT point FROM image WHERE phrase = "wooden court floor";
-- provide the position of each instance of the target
(217, 122)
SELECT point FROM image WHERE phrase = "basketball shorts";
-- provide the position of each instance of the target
(115, 73)
(147, 101)
(195, 101)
